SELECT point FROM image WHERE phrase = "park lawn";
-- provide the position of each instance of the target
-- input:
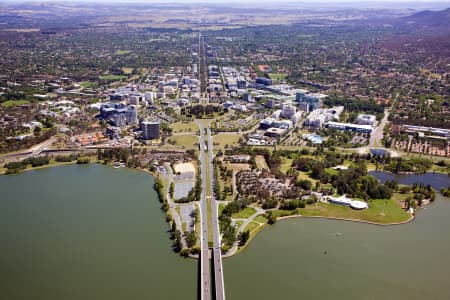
(188, 141)
(52, 163)
(88, 84)
(127, 70)
(244, 214)
(260, 219)
(305, 175)
(379, 211)
(237, 166)
(165, 184)
(440, 169)
(371, 167)
(401, 198)
(184, 127)
(111, 77)
(286, 164)
(261, 162)
(221, 207)
(278, 213)
(278, 76)
(251, 226)
(222, 139)
(12, 103)
(331, 171)
(122, 52)
(239, 224)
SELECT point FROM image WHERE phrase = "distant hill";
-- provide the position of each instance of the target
(430, 18)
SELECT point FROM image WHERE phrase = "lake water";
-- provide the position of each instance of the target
(436, 180)
(87, 232)
(94, 232)
(306, 259)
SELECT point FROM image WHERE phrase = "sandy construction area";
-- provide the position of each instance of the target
(184, 168)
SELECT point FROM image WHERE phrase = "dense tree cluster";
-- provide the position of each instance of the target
(446, 191)
(415, 165)
(227, 229)
(354, 181)
(14, 167)
(355, 105)
(116, 154)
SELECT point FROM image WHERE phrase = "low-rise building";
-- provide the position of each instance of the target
(240, 158)
(343, 200)
(275, 132)
(317, 118)
(263, 81)
(350, 127)
(364, 119)
(266, 123)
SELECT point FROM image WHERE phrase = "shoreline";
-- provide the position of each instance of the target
(412, 217)
(56, 164)
(409, 173)
(260, 228)
(242, 248)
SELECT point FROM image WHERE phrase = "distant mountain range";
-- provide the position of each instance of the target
(429, 18)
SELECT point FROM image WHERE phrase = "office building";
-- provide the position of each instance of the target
(350, 127)
(317, 118)
(263, 81)
(288, 111)
(364, 119)
(313, 100)
(276, 132)
(150, 130)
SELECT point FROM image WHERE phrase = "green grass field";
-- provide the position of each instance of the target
(278, 76)
(221, 207)
(222, 139)
(111, 77)
(239, 224)
(245, 213)
(12, 103)
(261, 162)
(379, 211)
(122, 52)
(282, 213)
(260, 219)
(127, 70)
(285, 164)
(188, 141)
(251, 226)
(88, 84)
(184, 127)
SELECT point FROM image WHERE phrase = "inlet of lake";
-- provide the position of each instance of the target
(95, 232)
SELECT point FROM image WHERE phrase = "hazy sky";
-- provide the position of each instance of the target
(239, 1)
(418, 4)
